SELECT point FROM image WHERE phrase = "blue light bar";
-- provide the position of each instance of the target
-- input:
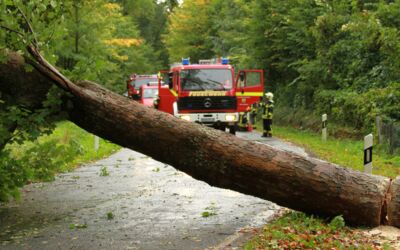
(185, 61)
(224, 61)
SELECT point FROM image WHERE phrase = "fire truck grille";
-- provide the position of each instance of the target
(207, 103)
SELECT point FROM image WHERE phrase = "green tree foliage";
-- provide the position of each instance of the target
(86, 39)
(150, 16)
(189, 31)
(228, 26)
(279, 40)
(100, 44)
(90, 40)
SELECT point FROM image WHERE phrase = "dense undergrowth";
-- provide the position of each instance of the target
(63, 150)
(303, 119)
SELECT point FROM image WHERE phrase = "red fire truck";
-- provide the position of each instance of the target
(209, 93)
(148, 94)
(135, 81)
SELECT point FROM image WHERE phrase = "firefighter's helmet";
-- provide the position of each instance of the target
(269, 96)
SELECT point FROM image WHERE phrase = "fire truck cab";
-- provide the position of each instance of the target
(136, 81)
(148, 94)
(209, 92)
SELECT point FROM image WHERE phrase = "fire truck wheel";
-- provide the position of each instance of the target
(222, 128)
(232, 130)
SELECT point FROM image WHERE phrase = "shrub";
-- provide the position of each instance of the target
(337, 223)
(360, 110)
(12, 176)
(47, 158)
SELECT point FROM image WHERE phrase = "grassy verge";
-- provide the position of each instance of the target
(295, 230)
(63, 150)
(345, 152)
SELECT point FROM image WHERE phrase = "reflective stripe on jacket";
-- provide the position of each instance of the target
(267, 110)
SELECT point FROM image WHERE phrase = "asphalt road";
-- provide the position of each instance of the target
(141, 204)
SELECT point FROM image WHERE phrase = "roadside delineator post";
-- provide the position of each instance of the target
(324, 128)
(96, 143)
(368, 142)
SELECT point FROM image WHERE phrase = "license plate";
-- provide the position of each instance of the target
(208, 119)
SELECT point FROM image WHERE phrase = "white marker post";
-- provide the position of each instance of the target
(324, 128)
(368, 142)
(96, 143)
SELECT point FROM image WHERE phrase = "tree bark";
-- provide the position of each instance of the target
(394, 204)
(223, 160)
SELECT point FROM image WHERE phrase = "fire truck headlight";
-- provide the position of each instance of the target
(185, 117)
(230, 118)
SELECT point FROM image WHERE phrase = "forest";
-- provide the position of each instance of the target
(340, 57)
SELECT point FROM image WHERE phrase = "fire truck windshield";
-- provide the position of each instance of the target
(150, 93)
(139, 82)
(206, 79)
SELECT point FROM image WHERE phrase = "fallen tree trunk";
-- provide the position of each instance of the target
(393, 214)
(225, 161)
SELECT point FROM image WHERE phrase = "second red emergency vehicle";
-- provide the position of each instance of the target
(136, 81)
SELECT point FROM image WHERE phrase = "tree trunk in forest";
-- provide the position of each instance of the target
(223, 160)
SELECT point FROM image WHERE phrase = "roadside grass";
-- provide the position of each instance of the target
(295, 230)
(63, 150)
(345, 152)
(67, 131)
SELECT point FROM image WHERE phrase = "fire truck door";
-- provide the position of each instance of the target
(249, 88)
(166, 94)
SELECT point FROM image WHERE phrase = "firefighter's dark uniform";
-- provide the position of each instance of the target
(267, 108)
(253, 114)
(244, 120)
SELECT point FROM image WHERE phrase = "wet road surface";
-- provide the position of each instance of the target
(140, 204)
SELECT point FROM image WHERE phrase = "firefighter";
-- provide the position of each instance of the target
(242, 121)
(253, 114)
(267, 107)
(241, 81)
